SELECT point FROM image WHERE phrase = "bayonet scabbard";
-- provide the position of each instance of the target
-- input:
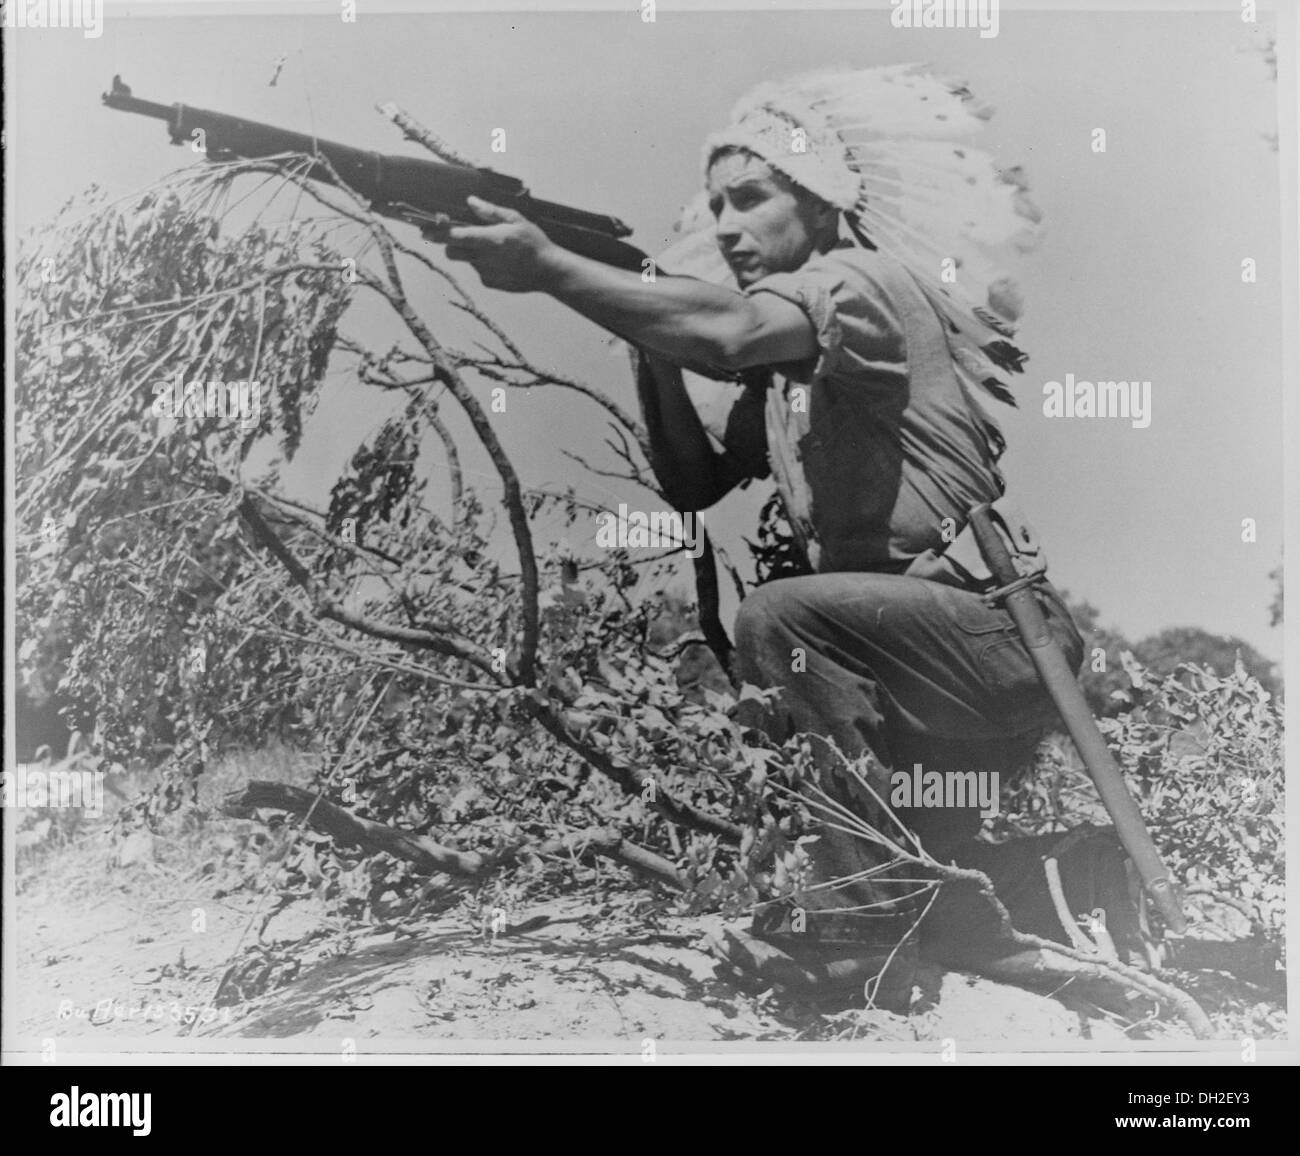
(1059, 681)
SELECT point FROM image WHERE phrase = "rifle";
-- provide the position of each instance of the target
(421, 192)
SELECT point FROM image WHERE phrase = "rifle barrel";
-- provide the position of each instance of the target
(390, 183)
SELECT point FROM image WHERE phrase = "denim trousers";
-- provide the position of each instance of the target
(913, 672)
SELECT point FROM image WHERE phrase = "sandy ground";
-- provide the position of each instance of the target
(113, 941)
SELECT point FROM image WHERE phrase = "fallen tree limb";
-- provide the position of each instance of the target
(352, 830)
(611, 845)
(429, 855)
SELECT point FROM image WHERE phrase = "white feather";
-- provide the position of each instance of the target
(929, 198)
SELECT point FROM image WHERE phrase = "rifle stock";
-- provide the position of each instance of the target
(410, 189)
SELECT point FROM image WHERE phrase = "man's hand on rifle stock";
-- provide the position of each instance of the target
(509, 252)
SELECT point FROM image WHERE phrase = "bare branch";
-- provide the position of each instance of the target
(412, 129)
(598, 472)
(324, 607)
(453, 458)
(495, 369)
(447, 373)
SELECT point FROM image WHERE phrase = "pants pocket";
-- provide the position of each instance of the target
(1007, 666)
(1011, 674)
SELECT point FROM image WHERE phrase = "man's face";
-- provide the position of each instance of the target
(763, 224)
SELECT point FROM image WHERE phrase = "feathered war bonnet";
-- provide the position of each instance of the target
(886, 146)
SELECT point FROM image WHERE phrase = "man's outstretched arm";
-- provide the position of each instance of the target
(680, 319)
(677, 320)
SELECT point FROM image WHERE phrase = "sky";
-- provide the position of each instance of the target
(1138, 277)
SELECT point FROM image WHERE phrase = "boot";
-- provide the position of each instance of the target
(1097, 880)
